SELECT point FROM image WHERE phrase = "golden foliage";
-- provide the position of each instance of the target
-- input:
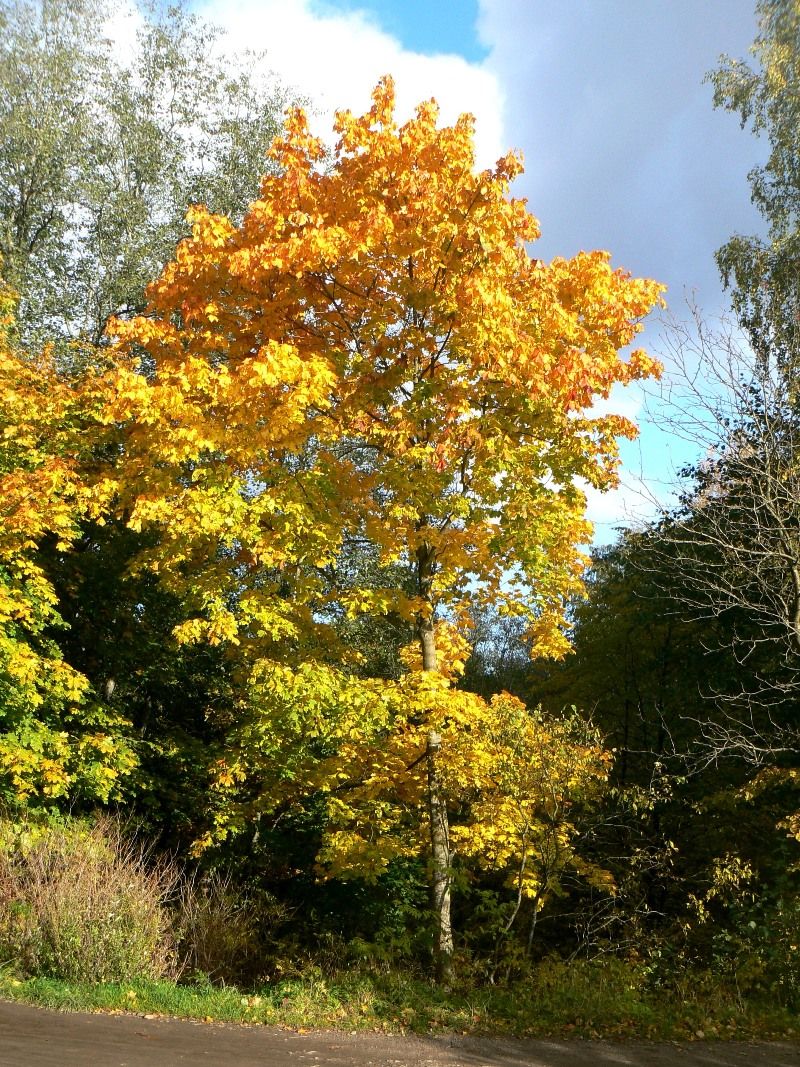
(511, 778)
(374, 352)
(54, 741)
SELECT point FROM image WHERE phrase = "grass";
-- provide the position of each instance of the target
(579, 1000)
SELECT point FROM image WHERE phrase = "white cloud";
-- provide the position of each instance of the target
(625, 151)
(631, 504)
(336, 59)
(623, 146)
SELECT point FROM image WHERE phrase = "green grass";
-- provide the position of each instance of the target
(578, 1000)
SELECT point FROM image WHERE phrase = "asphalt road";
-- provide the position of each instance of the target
(34, 1037)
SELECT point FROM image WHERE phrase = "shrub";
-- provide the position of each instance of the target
(217, 929)
(83, 902)
(758, 951)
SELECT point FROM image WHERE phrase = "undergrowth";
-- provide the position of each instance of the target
(558, 1000)
(82, 902)
(90, 921)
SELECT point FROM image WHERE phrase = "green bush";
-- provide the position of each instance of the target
(758, 952)
(82, 902)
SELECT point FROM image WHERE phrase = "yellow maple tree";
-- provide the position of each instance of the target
(511, 780)
(56, 740)
(374, 355)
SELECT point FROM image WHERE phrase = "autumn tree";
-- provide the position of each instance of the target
(514, 783)
(373, 355)
(57, 739)
(102, 148)
(97, 700)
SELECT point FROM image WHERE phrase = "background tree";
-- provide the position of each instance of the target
(734, 537)
(762, 274)
(679, 802)
(57, 739)
(100, 157)
(732, 543)
(643, 707)
(101, 151)
(723, 562)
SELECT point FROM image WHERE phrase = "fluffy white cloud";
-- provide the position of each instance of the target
(624, 151)
(336, 58)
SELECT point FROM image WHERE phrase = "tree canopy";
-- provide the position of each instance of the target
(356, 401)
(762, 274)
(102, 153)
(372, 355)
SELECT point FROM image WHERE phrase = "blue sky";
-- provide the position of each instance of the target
(450, 26)
(605, 98)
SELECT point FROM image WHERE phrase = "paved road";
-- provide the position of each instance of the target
(33, 1037)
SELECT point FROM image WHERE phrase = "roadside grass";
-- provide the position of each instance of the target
(558, 1000)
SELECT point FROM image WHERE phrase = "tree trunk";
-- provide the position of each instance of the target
(440, 865)
(437, 807)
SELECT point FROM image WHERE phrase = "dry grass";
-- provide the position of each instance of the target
(216, 929)
(84, 903)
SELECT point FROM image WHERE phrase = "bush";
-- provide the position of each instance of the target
(83, 903)
(758, 951)
(220, 931)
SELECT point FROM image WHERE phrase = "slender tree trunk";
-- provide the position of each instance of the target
(437, 807)
(532, 931)
(440, 864)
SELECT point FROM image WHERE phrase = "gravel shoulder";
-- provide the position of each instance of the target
(36, 1037)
